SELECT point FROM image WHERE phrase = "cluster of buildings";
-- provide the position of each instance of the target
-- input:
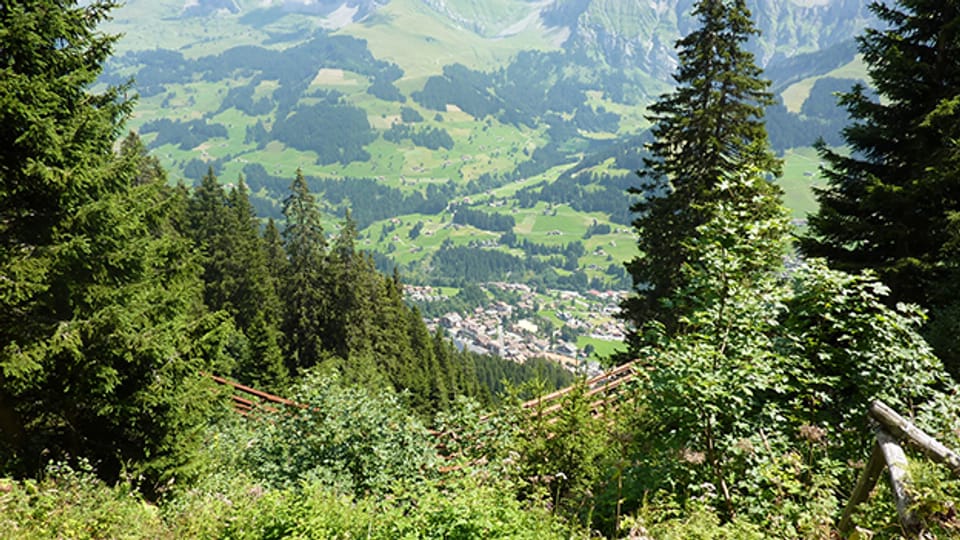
(514, 331)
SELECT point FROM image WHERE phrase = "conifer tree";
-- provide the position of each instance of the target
(347, 332)
(102, 328)
(208, 221)
(304, 290)
(149, 169)
(709, 128)
(255, 292)
(255, 302)
(887, 205)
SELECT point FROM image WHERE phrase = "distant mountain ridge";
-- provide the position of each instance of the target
(621, 34)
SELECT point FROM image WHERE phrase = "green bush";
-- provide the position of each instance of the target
(73, 503)
(348, 437)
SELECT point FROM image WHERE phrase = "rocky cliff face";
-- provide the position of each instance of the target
(641, 34)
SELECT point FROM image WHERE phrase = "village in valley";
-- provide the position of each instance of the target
(571, 328)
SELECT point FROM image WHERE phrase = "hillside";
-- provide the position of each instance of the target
(407, 111)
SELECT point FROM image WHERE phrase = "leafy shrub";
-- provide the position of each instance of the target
(757, 405)
(561, 455)
(73, 503)
(345, 436)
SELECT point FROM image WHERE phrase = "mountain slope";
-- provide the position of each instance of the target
(408, 110)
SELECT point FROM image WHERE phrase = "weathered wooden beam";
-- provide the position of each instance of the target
(253, 391)
(896, 461)
(866, 482)
(590, 383)
(902, 428)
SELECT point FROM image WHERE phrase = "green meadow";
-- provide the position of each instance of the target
(801, 174)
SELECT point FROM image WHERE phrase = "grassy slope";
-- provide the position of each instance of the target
(419, 40)
(801, 174)
(795, 94)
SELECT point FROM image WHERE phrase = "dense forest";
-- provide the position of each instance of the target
(756, 355)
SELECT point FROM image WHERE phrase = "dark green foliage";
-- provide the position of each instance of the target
(275, 253)
(302, 286)
(790, 130)
(475, 265)
(822, 100)
(707, 130)
(343, 315)
(532, 89)
(410, 115)
(258, 134)
(484, 220)
(241, 98)
(820, 118)
(888, 205)
(336, 132)
(589, 191)
(149, 169)
(107, 364)
(599, 119)
(196, 168)
(186, 135)
(459, 86)
(786, 71)
(54, 134)
(415, 231)
(385, 90)
(561, 455)
(368, 199)
(237, 278)
(429, 137)
(459, 265)
(596, 228)
(102, 325)
(500, 376)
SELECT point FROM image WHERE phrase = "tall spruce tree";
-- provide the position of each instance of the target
(944, 324)
(102, 328)
(208, 222)
(255, 300)
(888, 202)
(237, 278)
(304, 288)
(708, 128)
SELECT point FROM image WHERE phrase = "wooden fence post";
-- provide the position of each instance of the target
(899, 479)
(868, 479)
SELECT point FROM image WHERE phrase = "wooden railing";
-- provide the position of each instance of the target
(887, 453)
(246, 399)
(604, 385)
(603, 388)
